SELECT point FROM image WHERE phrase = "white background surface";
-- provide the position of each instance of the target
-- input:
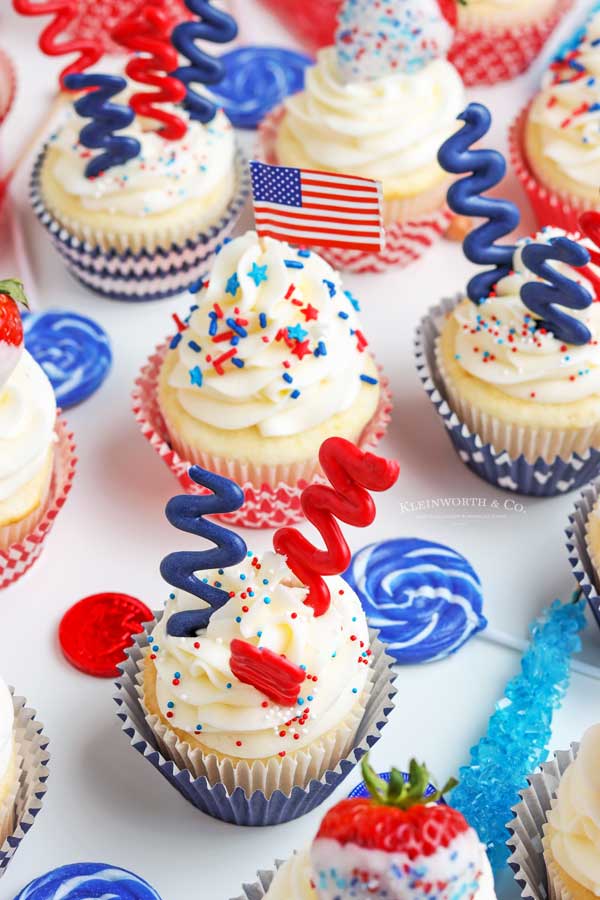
(105, 803)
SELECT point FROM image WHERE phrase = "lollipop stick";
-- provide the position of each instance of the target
(502, 639)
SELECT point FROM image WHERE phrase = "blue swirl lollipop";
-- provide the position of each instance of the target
(256, 80)
(81, 881)
(425, 598)
(73, 351)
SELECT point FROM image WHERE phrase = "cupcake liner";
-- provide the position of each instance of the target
(33, 757)
(259, 889)
(527, 827)
(582, 565)
(549, 207)
(405, 239)
(22, 554)
(18, 531)
(8, 85)
(489, 55)
(139, 275)
(272, 493)
(498, 467)
(241, 806)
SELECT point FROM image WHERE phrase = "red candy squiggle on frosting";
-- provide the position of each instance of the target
(65, 11)
(273, 675)
(147, 31)
(352, 474)
(589, 222)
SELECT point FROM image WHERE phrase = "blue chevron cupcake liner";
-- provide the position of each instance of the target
(140, 275)
(577, 549)
(236, 806)
(497, 467)
(33, 758)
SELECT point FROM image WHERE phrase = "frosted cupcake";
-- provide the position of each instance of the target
(265, 690)
(386, 844)
(381, 116)
(271, 361)
(23, 772)
(555, 142)
(37, 460)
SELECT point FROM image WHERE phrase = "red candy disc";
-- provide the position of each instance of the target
(95, 633)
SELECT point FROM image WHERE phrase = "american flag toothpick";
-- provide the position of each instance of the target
(324, 209)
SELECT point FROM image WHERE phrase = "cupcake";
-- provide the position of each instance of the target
(23, 772)
(393, 843)
(140, 219)
(270, 362)
(554, 143)
(259, 698)
(497, 40)
(36, 453)
(381, 116)
(515, 378)
(555, 839)
(88, 879)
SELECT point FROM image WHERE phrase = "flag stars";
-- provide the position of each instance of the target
(310, 313)
(233, 284)
(296, 332)
(196, 376)
(258, 274)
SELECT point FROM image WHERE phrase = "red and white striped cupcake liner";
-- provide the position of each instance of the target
(270, 502)
(405, 241)
(19, 556)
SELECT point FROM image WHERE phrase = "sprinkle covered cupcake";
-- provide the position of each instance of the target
(380, 115)
(394, 843)
(140, 219)
(555, 142)
(270, 362)
(36, 453)
(265, 691)
(514, 369)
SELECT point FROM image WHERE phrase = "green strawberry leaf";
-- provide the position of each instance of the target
(399, 793)
(13, 288)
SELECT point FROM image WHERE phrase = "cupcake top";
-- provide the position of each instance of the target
(500, 341)
(273, 341)
(198, 693)
(568, 109)
(27, 420)
(7, 721)
(79, 880)
(165, 174)
(386, 128)
(575, 816)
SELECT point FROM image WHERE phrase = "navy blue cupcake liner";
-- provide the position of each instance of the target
(577, 549)
(142, 275)
(538, 479)
(237, 807)
(33, 758)
(526, 829)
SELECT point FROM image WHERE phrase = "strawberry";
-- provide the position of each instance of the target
(449, 10)
(11, 327)
(397, 818)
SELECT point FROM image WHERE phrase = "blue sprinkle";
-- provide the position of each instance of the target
(228, 685)
(262, 318)
(171, 596)
(175, 340)
(265, 580)
(266, 600)
(287, 377)
(353, 301)
(330, 286)
(238, 363)
(300, 701)
(213, 327)
(198, 727)
(369, 379)
(295, 394)
(238, 619)
(237, 328)
(310, 698)
(343, 315)
(193, 345)
(196, 376)
(170, 705)
(355, 690)
(293, 264)
(321, 349)
(234, 340)
(304, 253)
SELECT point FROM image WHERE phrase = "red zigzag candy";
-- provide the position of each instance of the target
(273, 675)
(589, 222)
(352, 474)
(65, 12)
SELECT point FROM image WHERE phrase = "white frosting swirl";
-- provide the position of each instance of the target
(164, 175)
(389, 128)
(7, 719)
(281, 389)
(498, 342)
(568, 110)
(27, 420)
(234, 718)
(575, 816)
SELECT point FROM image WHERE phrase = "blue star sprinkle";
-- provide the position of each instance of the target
(258, 274)
(233, 285)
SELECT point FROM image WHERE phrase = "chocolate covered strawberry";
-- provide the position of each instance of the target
(12, 297)
(399, 844)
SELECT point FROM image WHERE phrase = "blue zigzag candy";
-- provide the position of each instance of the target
(81, 880)
(187, 512)
(215, 26)
(488, 168)
(545, 297)
(107, 118)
